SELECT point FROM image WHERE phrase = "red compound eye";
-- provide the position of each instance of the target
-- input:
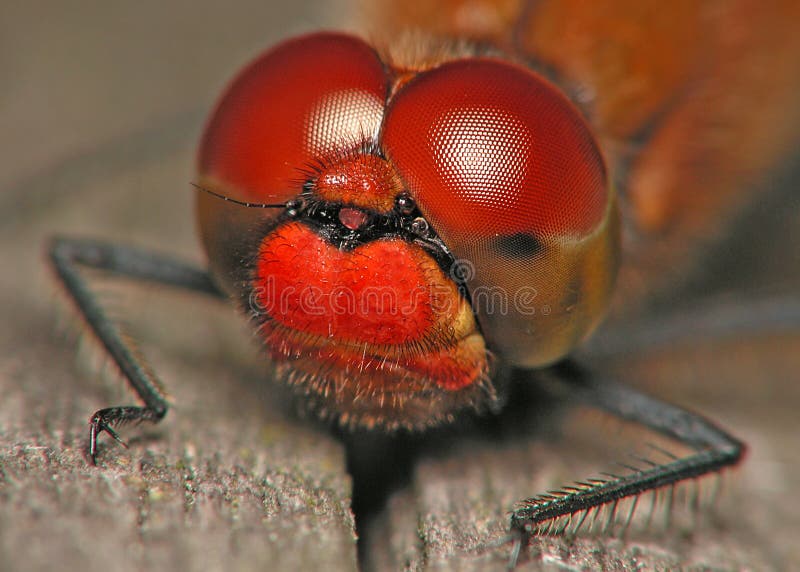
(507, 172)
(297, 103)
(490, 148)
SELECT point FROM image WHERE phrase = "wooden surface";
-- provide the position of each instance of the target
(100, 110)
(455, 511)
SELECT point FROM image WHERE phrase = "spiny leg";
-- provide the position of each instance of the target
(67, 257)
(714, 450)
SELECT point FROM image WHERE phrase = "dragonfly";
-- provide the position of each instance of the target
(674, 124)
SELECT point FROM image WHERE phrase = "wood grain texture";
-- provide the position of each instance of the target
(454, 514)
(102, 146)
(104, 111)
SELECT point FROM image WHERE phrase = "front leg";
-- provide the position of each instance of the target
(68, 256)
(714, 448)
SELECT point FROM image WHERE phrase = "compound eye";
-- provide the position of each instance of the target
(300, 101)
(490, 149)
(294, 106)
(508, 174)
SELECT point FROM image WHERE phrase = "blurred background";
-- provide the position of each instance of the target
(101, 105)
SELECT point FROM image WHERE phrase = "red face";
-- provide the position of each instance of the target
(434, 218)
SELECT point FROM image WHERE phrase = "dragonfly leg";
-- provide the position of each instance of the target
(714, 449)
(68, 257)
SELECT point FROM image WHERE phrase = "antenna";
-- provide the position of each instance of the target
(238, 202)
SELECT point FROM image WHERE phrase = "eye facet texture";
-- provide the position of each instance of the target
(507, 172)
(302, 101)
(490, 148)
